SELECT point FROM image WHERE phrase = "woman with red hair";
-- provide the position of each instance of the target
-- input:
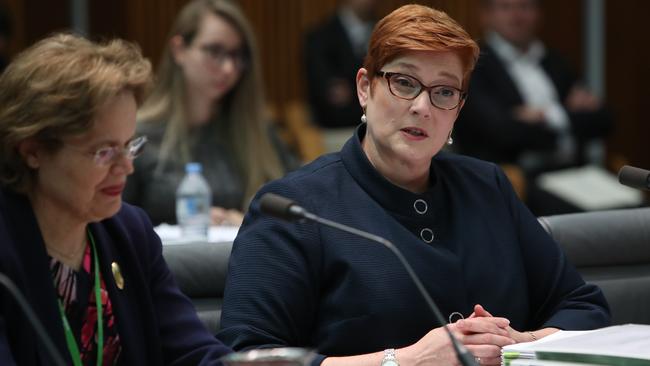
(455, 219)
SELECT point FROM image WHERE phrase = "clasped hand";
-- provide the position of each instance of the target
(483, 334)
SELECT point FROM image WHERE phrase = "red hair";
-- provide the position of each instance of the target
(419, 28)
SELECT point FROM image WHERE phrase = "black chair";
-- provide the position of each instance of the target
(200, 272)
(609, 248)
(612, 250)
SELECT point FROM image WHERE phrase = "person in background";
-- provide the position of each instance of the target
(207, 106)
(525, 104)
(90, 266)
(334, 51)
(456, 219)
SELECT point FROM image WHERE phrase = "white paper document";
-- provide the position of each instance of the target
(172, 235)
(625, 345)
(590, 188)
(526, 351)
(548, 363)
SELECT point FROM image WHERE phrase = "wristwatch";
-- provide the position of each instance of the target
(389, 358)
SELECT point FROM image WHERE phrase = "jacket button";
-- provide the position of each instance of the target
(427, 235)
(420, 206)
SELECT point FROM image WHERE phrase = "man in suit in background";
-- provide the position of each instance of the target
(334, 52)
(525, 104)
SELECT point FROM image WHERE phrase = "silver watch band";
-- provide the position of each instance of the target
(389, 357)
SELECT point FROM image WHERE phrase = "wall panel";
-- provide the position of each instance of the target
(281, 24)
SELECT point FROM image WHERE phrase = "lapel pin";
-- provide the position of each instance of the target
(117, 275)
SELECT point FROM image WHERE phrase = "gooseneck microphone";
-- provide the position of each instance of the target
(634, 177)
(286, 209)
(7, 283)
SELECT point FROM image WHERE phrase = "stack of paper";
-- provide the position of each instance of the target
(524, 352)
(624, 345)
(548, 363)
(590, 188)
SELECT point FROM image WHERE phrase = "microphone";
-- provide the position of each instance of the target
(286, 209)
(634, 177)
(7, 283)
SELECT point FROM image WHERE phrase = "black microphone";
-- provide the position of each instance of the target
(286, 209)
(634, 177)
(7, 283)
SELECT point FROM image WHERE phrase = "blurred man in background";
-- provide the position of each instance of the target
(526, 106)
(334, 52)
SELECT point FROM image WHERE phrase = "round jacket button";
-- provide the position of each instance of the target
(420, 206)
(427, 235)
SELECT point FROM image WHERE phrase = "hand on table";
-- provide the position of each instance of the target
(222, 216)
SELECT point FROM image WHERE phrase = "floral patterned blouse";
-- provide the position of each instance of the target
(76, 292)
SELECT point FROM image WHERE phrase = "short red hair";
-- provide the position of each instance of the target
(419, 28)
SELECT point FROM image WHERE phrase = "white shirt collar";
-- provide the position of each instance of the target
(357, 29)
(509, 53)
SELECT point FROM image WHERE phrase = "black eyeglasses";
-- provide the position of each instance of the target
(219, 54)
(408, 87)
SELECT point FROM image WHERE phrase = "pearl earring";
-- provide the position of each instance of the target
(364, 119)
(450, 140)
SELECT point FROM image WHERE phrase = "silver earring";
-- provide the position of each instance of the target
(364, 119)
(450, 140)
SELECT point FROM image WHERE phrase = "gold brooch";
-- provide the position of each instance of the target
(117, 275)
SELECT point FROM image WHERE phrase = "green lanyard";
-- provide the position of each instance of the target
(69, 336)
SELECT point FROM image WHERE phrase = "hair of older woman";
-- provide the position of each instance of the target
(54, 89)
(245, 103)
(419, 28)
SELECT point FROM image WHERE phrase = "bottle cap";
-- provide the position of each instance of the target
(193, 167)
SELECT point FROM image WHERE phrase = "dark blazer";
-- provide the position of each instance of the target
(468, 238)
(486, 127)
(329, 55)
(157, 324)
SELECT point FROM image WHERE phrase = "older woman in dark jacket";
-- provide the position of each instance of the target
(91, 267)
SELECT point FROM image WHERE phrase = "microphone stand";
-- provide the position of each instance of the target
(33, 319)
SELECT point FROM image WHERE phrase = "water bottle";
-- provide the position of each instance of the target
(193, 202)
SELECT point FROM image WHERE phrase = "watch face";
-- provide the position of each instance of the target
(389, 363)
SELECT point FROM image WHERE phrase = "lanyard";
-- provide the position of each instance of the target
(69, 336)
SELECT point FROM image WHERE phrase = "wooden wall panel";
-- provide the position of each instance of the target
(562, 28)
(16, 11)
(628, 78)
(281, 24)
(34, 19)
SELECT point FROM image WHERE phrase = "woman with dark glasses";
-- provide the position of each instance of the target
(476, 247)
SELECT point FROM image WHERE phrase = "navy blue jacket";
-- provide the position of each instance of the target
(301, 284)
(156, 323)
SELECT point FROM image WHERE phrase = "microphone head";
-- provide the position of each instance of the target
(278, 206)
(634, 177)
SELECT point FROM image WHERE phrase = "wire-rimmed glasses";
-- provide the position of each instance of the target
(106, 155)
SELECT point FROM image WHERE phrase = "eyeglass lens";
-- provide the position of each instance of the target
(408, 87)
(220, 54)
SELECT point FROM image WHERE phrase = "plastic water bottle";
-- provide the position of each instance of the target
(193, 202)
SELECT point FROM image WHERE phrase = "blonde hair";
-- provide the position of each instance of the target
(55, 88)
(245, 103)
